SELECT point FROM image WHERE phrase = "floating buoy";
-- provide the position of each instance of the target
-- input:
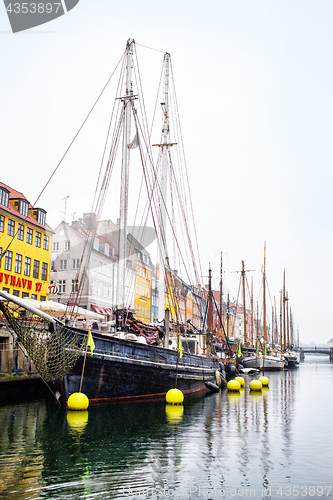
(255, 385)
(264, 381)
(174, 397)
(240, 380)
(77, 420)
(78, 401)
(174, 413)
(233, 385)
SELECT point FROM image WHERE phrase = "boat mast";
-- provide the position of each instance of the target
(209, 333)
(251, 336)
(127, 99)
(164, 190)
(284, 309)
(281, 332)
(244, 309)
(288, 330)
(221, 294)
(264, 295)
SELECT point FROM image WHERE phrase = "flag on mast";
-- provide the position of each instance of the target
(239, 353)
(90, 342)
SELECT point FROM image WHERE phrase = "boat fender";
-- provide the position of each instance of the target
(212, 387)
(231, 369)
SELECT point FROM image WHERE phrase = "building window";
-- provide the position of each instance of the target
(11, 227)
(63, 265)
(62, 286)
(29, 235)
(75, 263)
(20, 232)
(41, 217)
(75, 285)
(33, 296)
(27, 266)
(24, 208)
(67, 245)
(2, 223)
(44, 271)
(25, 295)
(0, 256)
(52, 265)
(8, 260)
(4, 197)
(55, 246)
(38, 239)
(18, 263)
(46, 242)
(35, 273)
(16, 293)
(42, 298)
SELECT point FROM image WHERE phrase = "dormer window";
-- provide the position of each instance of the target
(40, 215)
(4, 197)
(24, 208)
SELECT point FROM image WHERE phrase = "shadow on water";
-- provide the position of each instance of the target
(221, 445)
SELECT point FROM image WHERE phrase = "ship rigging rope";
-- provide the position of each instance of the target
(81, 127)
(186, 171)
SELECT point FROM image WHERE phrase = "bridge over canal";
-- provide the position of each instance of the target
(316, 350)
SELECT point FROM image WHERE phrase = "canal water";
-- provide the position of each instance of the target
(276, 445)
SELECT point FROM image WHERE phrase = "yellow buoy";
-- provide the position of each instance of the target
(233, 385)
(78, 401)
(174, 413)
(240, 380)
(264, 381)
(174, 397)
(255, 385)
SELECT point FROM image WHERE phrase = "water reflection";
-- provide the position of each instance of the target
(222, 445)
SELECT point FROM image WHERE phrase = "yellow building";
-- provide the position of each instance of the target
(143, 279)
(25, 246)
(171, 300)
(142, 297)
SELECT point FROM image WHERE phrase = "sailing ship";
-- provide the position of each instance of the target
(264, 361)
(121, 365)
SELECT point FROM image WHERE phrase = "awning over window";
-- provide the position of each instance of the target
(98, 309)
(102, 310)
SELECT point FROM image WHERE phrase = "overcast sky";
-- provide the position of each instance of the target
(254, 81)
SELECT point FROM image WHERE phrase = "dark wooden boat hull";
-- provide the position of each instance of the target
(121, 370)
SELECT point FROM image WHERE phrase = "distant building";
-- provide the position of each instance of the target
(100, 269)
(330, 343)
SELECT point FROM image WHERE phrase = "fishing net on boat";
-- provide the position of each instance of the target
(53, 348)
